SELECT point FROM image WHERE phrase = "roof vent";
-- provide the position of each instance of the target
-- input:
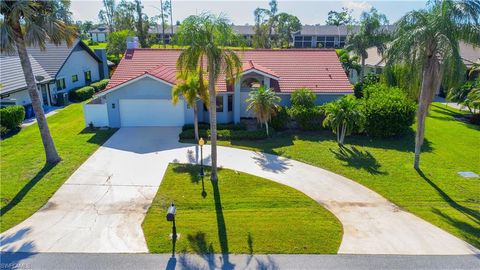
(330, 76)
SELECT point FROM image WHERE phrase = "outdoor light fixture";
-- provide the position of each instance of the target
(201, 142)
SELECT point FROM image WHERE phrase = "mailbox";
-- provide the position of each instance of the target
(171, 212)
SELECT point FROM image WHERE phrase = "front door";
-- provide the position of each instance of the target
(244, 112)
(44, 92)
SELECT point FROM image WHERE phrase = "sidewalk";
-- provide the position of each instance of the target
(449, 103)
(67, 261)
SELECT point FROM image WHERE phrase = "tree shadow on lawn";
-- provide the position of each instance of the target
(28, 186)
(358, 159)
(472, 214)
(193, 171)
(467, 230)
(100, 136)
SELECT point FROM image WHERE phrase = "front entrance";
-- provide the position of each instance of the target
(45, 95)
(244, 112)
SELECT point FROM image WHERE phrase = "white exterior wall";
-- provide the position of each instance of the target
(21, 97)
(96, 114)
(77, 63)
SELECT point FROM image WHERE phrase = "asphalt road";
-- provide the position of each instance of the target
(77, 261)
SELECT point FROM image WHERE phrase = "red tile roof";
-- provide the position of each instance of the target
(317, 69)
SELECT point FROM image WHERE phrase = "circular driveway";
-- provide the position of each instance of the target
(100, 208)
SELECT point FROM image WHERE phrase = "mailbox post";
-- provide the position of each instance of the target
(171, 217)
(201, 142)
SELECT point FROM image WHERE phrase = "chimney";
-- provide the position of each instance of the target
(132, 43)
(103, 66)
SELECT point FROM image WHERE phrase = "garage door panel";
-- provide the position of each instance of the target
(151, 112)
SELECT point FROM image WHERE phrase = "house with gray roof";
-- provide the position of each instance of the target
(99, 34)
(57, 69)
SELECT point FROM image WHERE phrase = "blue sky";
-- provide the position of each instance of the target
(241, 12)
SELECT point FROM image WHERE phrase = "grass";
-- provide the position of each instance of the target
(26, 182)
(101, 45)
(437, 193)
(240, 213)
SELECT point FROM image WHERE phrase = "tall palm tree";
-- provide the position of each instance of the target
(206, 37)
(33, 23)
(264, 103)
(431, 38)
(371, 34)
(343, 116)
(192, 90)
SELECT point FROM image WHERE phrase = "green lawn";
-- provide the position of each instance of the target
(26, 183)
(101, 45)
(242, 213)
(437, 194)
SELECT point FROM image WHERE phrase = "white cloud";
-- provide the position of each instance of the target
(357, 7)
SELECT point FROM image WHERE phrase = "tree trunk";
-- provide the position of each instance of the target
(338, 134)
(195, 121)
(171, 23)
(213, 120)
(362, 70)
(266, 127)
(163, 24)
(430, 81)
(51, 154)
(344, 131)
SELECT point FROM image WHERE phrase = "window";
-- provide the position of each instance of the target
(61, 84)
(303, 42)
(219, 103)
(251, 83)
(88, 76)
(230, 102)
(74, 78)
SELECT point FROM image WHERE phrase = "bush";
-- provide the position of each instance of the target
(11, 117)
(475, 119)
(227, 134)
(204, 126)
(359, 88)
(388, 113)
(100, 85)
(303, 97)
(81, 94)
(376, 88)
(280, 120)
(307, 118)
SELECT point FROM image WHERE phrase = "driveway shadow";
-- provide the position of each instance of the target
(271, 163)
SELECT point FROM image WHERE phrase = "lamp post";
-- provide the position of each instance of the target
(201, 142)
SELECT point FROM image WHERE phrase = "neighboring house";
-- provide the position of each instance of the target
(139, 92)
(99, 34)
(64, 68)
(375, 63)
(14, 87)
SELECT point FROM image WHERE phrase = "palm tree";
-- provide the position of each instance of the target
(430, 39)
(206, 37)
(192, 90)
(34, 23)
(370, 35)
(264, 103)
(343, 117)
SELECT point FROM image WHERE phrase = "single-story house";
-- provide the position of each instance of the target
(139, 92)
(99, 34)
(57, 69)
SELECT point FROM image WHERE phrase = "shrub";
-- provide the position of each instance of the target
(227, 134)
(303, 97)
(100, 85)
(81, 94)
(376, 88)
(11, 117)
(369, 79)
(280, 120)
(307, 118)
(475, 119)
(388, 113)
(232, 126)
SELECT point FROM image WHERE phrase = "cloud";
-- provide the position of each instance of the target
(357, 7)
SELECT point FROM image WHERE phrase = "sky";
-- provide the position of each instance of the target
(241, 12)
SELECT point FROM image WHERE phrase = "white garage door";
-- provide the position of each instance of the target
(151, 112)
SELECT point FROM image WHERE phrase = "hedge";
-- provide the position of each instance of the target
(307, 118)
(204, 126)
(280, 120)
(11, 117)
(100, 85)
(81, 94)
(227, 134)
(387, 113)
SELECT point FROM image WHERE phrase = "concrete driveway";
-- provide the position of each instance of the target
(101, 206)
